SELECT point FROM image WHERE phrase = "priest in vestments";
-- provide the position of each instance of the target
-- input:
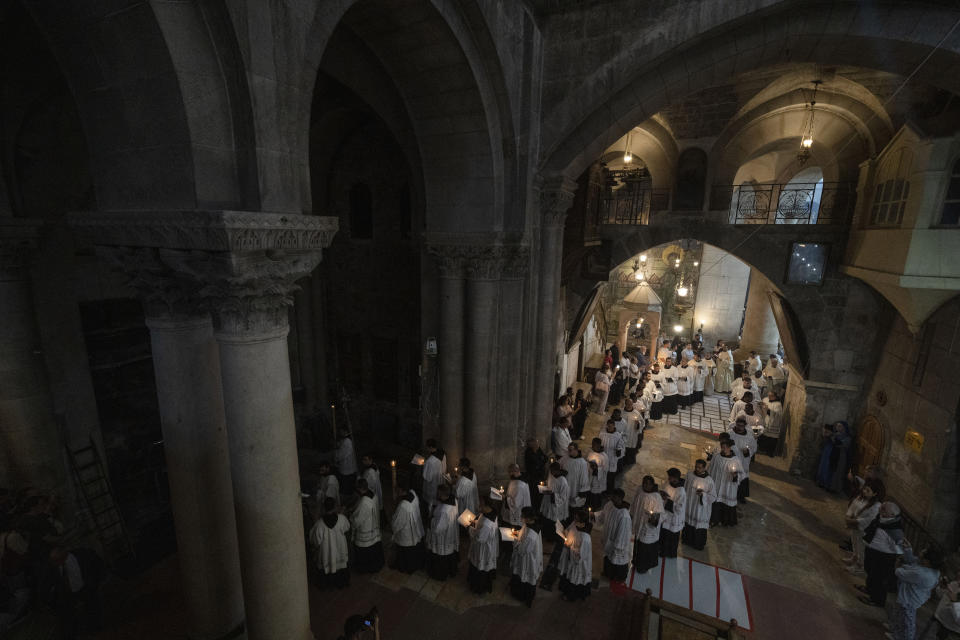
(434, 468)
(407, 530)
(646, 512)
(526, 561)
(700, 496)
(465, 490)
(443, 536)
(576, 559)
(617, 526)
(365, 526)
(484, 546)
(745, 446)
(730, 473)
(674, 513)
(328, 537)
(516, 499)
(723, 377)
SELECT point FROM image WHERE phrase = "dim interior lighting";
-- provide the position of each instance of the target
(677, 328)
(682, 291)
(696, 263)
(627, 157)
(627, 154)
(639, 322)
(676, 263)
(643, 257)
(638, 275)
(807, 143)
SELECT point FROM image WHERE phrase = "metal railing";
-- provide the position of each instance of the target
(790, 203)
(632, 206)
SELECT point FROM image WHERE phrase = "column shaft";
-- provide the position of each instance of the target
(760, 332)
(551, 250)
(451, 354)
(481, 378)
(187, 368)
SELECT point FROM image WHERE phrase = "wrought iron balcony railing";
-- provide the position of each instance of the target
(791, 203)
(632, 206)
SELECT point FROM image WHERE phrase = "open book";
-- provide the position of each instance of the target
(466, 518)
(418, 459)
(506, 534)
(496, 494)
(542, 488)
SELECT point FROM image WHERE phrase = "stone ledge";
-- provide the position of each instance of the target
(205, 230)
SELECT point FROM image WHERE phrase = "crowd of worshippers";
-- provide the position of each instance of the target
(39, 572)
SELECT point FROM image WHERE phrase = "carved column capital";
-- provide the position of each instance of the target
(483, 262)
(516, 262)
(556, 198)
(166, 294)
(19, 240)
(449, 259)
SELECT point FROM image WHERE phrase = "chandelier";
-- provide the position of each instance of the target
(806, 134)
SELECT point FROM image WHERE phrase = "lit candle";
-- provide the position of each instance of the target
(393, 475)
(501, 488)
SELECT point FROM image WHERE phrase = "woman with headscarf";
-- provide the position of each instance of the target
(833, 458)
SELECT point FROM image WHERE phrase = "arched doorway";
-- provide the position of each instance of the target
(869, 443)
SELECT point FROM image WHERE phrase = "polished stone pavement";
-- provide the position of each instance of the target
(785, 546)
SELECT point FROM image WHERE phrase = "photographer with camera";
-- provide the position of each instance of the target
(362, 627)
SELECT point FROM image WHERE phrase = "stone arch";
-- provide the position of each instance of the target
(459, 108)
(639, 80)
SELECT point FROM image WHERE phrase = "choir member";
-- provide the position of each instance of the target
(597, 459)
(371, 473)
(772, 415)
(700, 497)
(633, 433)
(576, 560)
(526, 561)
(408, 533)
(730, 473)
(674, 513)
(434, 468)
(578, 476)
(484, 546)
(617, 532)
(328, 537)
(745, 445)
(443, 537)
(613, 446)
(555, 505)
(668, 382)
(346, 461)
(517, 498)
(655, 388)
(328, 487)
(365, 526)
(465, 491)
(685, 379)
(646, 512)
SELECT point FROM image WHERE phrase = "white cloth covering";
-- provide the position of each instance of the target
(484, 543)
(743, 442)
(330, 545)
(668, 377)
(559, 441)
(724, 479)
(685, 379)
(612, 443)
(346, 457)
(365, 522)
(467, 495)
(517, 497)
(674, 521)
(948, 612)
(329, 487)
(772, 417)
(576, 560)
(617, 531)
(578, 477)
(433, 471)
(699, 506)
(555, 506)
(634, 421)
(443, 537)
(372, 476)
(644, 506)
(527, 558)
(406, 524)
(598, 482)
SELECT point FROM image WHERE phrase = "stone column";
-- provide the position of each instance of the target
(760, 332)
(246, 265)
(32, 453)
(556, 198)
(510, 369)
(451, 349)
(483, 268)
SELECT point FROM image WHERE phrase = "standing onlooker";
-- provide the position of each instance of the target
(772, 423)
(601, 388)
(916, 578)
(861, 511)
(947, 615)
(579, 419)
(833, 457)
(882, 537)
(535, 469)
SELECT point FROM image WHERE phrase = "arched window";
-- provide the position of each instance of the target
(361, 212)
(950, 216)
(892, 189)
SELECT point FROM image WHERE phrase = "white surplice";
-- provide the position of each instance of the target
(598, 481)
(433, 471)
(699, 506)
(631, 434)
(644, 506)
(406, 524)
(685, 380)
(517, 497)
(555, 506)
(346, 457)
(467, 495)
(668, 377)
(329, 487)
(443, 537)
(612, 444)
(484, 543)
(365, 522)
(578, 477)
(772, 417)
(617, 531)
(526, 562)
(330, 544)
(744, 441)
(576, 561)
(724, 478)
(559, 441)
(674, 521)
(372, 476)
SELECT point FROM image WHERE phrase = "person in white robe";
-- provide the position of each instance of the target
(601, 388)
(646, 513)
(655, 388)
(665, 353)
(774, 373)
(772, 414)
(345, 459)
(633, 432)
(729, 475)
(560, 438)
(328, 487)
(687, 353)
(723, 377)
(753, 418)
(754, 364)
(669, 375)
(365, 527)
(861, 511)
(465, 490)
(709, 380)
(328, 537)
(613, 446)
(556, 498)
(576, 559)
(685, 380)
(674, 513)
(597, 459)
(740, 386)
(737, 408)
(371, 473)
(484, 547)
(434, 470)
(617, 527)
(700, 496)
(578, 476)
(526, 561)
(443, 536)
(745, 445)
(516, 499)
(407, 528)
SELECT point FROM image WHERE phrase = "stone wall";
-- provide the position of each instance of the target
(916, 376)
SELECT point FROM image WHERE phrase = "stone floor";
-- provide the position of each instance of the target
(785, 546)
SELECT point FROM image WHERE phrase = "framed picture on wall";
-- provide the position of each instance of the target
(808, 261)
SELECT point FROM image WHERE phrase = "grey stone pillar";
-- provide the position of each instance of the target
(556, 198)
(483, 273)
(451, 350)
(509, 425)
(760, 332)
(32, 452)
(245, 265)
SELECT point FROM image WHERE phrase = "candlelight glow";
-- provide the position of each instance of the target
(643, 257)
(677, 328)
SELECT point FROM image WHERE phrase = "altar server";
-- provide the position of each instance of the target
(700, 497)
(443, 537)
(576, 560)
(371, 473)
(434, 468)
(646, 513)
(730, 473)
(517, 498)
(613, 446)
(556, 500)
(526, 562)
(746, 447)
(633, 433)
(328, 537)
(668, 383)
(674, 513)
(685, 380)
(408, 532)
(617, 526)
(365, 527)
(578, 476)
(484, 546)
(465, 489)
(597, 459)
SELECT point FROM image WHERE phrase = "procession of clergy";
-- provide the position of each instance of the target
(558, 499)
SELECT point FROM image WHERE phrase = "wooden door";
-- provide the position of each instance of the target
(869, 448)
